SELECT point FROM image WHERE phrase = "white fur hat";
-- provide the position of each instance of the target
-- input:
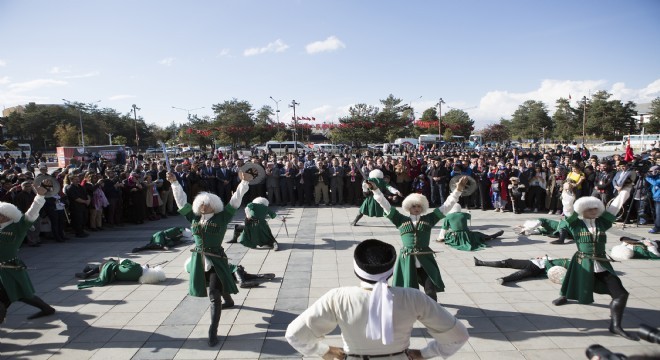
(413, 199)
(207, 198)
(588, 202)
(531, 224)
(261, 200)
(376, 174)
(622, 252)
(187, 233)
(556, 274)
(10, 211)
(152, 275)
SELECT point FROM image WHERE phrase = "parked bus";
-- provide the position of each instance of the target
(475, 140)
(642, 142)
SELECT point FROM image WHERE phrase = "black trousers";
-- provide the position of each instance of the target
(613, 283)
(527, 265)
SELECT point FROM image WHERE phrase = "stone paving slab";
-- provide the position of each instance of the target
(134, 321)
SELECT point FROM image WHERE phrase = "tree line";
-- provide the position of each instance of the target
(237, 122)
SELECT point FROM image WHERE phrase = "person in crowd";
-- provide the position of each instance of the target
(273, 184)
(653, 179)
(15, 283)
(416, 264)
(376, 321)
(517, 193)
(321, 182)
(337, 174)
(78, 203)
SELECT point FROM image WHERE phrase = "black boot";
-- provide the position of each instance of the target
(228, 301)
(562, 238)
(500, 263)
(494, 236)
(357, 218)
(616, 312)
(238, 229)
(243, 281)
(560, 301)
(429, 290)
(518, 275)
(247, 276)
(3, 312)
(38, 303)
(216, 311)
(88, 272)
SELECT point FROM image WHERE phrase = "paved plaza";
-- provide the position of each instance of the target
(133, 321)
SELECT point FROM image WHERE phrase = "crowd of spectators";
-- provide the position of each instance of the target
(96, 195)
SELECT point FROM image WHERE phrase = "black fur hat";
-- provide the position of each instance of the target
(374, 257)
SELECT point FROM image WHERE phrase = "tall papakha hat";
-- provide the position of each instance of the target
(588, 202)
(376, 174)
(373, 260)
(10, 211)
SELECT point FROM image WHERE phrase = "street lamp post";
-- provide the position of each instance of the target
(277, 107)
(137, 137)
(584, 118)
(440, 102)
(80, 109)
(295, 125)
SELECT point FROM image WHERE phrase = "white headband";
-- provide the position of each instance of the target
(379, 325)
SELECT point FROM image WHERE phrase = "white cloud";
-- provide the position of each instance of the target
(3, 63)
(4, 80)
(502, 104)
(276, 47)
(121, 97)
(167, 61)
(82, 76)
(58, 70)
(223, 53)
(33, 85)
(332, 43)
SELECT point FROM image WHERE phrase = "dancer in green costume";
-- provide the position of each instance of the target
(416, 263)
(15, 284)
(590, 269)
(209, 219)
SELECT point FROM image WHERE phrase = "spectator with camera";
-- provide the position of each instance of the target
(653, 178)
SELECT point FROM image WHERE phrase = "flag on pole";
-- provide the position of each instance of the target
(569, 96)
(629, 151)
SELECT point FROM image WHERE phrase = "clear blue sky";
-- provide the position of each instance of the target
(483, 56)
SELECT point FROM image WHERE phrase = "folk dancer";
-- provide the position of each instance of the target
(380, 320)
(416, 263)
(257, 233)
(209, 218)
(15, 284)
(369, 206)
(590, 270)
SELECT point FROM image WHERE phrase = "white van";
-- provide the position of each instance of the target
(326, 148)
(609, 146)
(281, 147)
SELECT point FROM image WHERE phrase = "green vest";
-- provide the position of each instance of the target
(15, 281)
(257, 232)
(112, 271)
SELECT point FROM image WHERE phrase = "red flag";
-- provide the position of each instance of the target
(313, 119)
(629, 152)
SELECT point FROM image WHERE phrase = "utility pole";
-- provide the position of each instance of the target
(137, 137)
(109, 138)
(440, 102)
(295, 126)
(584, 118)
(80, 108)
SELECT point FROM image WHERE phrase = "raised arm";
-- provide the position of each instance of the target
(180, 196)
(33, 212)
(619, 200)
(452, 199)
(242, 188)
